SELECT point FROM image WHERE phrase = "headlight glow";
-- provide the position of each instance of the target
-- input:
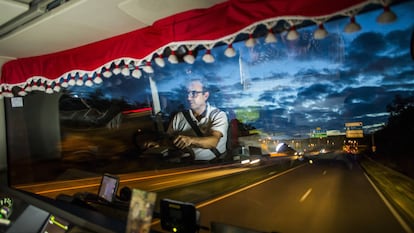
(245, 161)
(255, 161)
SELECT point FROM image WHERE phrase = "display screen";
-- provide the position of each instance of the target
(108, 187)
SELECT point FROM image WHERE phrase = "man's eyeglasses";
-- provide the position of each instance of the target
(193, 93)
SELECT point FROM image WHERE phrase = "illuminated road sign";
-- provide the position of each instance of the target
(354, 130)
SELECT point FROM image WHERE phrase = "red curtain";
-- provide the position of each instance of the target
(212, 24)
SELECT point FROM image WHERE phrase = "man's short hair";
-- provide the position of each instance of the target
(202, 80)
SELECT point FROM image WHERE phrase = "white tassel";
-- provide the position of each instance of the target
(125, 71)
(230, 52)
(137, 73)
(64, 83)
(116, 70)
(352, 26)
(292, 34)
(35, 87)
(22, 92)
(49, 89)
(98, 79)
(89, 82)
(208, 58)
(8, 94)
(189, 58)
(250, 42)
(72, 81)
(107, 73)
(28, 88)
(159, 61)
(56, 88)
(320, 32)
(41, 87)
(270, 37)
(387, 16)
(173, 58)
(147, 68)
(79, 81)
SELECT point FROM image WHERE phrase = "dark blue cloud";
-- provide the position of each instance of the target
(399, 40)
(314, 91)
(368, 43)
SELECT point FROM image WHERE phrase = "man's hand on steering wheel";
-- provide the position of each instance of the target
(182, 141)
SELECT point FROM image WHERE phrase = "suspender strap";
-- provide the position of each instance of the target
(197, 130)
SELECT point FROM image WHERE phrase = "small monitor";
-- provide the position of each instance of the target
(178, 216)
(108, 187)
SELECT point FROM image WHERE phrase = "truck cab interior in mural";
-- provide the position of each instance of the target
(317, 101)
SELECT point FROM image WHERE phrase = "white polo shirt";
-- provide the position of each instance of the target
(214, 119)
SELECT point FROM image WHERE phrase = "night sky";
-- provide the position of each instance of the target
(292, 87)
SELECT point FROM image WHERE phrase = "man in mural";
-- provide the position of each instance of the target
(202, 128)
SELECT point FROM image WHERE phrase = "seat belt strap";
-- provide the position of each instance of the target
(197, 130)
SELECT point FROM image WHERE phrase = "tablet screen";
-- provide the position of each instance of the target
(108, 187)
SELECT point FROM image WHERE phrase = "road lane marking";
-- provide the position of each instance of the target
(403, 224)
(165, 182)
(247, 187)
(67, 188)
(206, 203)
(98, 179)
(302, 199)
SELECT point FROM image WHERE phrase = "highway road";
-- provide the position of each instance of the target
(328, 195)
(323, 197)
